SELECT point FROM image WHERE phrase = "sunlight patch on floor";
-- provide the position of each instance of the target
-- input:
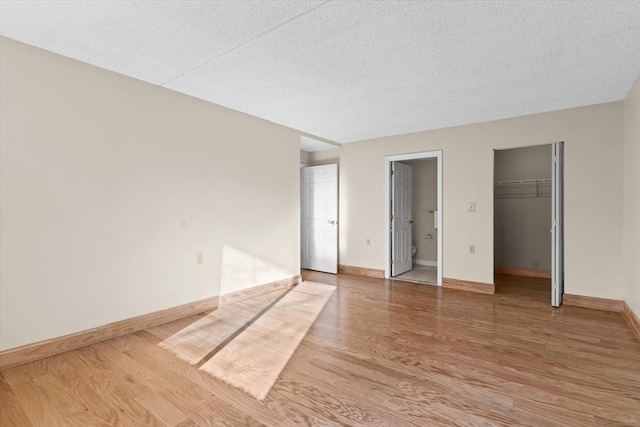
(197, 340)
(248, 343)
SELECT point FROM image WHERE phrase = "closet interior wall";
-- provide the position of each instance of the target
(522, 208)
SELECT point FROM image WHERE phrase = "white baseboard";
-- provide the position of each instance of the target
(425, 262)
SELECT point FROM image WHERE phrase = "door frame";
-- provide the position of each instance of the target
(436, 154)
(557, 223)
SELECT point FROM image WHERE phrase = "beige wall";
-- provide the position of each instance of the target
(522, 213)
(111, 186)
(631, 242)
(304, 157)
(593, 201)
(425, 199)
(324, 157)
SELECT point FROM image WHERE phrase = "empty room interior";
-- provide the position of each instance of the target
(319, 213)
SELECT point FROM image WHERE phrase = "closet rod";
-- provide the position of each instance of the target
(523, 181)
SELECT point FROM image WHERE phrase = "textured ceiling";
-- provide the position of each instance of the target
(348, 70)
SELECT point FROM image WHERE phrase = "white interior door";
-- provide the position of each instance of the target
(557, 226)
(401, 221)
(319, 196)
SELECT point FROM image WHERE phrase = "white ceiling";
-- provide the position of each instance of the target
(350, 70)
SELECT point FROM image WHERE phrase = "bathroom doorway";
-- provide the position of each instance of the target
(414, 249)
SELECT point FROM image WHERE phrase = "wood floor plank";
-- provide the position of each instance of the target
(178, 383)
(51, 365)
(36, 406)
(162, 409)
(130, 366)
(198, 415)
(54, 391)
(11, 412)
(382, 352)
(112, 390)
(226, 413)
(102, 413)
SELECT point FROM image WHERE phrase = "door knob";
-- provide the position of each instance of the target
(331, 222)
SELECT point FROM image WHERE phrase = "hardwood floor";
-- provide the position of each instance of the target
(380, 353)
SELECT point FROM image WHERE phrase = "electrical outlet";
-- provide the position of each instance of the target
(472, 249)
(471, 207)
(199, 258)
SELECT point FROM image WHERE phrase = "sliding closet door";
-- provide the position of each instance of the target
(557, 226)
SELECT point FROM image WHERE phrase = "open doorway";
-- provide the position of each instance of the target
(413, 211)
(528, 217)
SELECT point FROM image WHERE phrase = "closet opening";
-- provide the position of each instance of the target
(528, 218)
